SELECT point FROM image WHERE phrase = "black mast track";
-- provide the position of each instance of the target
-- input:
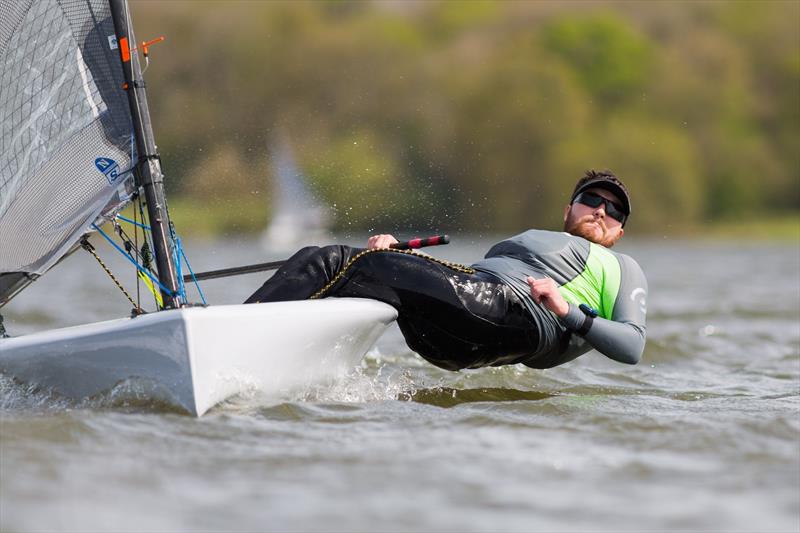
(148, 167)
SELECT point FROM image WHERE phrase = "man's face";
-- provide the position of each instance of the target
(592, 223)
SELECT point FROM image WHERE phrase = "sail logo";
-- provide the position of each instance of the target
(108, 167)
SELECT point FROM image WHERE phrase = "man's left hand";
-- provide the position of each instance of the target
(545, 292)
(381, 241)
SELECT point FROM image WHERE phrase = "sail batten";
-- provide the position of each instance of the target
(66, 146)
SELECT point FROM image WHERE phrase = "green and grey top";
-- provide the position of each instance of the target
(611, 283)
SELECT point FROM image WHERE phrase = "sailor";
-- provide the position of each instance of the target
(541, 298)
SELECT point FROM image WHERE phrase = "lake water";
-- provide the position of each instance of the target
(702, 435)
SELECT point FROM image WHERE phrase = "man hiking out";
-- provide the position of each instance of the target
(541, 298)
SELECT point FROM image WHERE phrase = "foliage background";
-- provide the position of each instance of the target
(478, 115)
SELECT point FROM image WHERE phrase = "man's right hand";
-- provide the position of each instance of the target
(544, 291)
(381, 241)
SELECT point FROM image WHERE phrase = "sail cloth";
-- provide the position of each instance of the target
(299, 216)
(66, 141)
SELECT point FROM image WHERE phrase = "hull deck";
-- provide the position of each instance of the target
(198, 357)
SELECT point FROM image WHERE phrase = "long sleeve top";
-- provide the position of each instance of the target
(611, 283)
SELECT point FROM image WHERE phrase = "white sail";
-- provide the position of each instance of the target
(66, 143)
(299, 218)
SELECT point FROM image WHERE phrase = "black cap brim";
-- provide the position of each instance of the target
(611, 187)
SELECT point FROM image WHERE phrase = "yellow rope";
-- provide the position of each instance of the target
(152, 288)
(454, 266)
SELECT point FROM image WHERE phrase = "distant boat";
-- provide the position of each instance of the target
(299, 217)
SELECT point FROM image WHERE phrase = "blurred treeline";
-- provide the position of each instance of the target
(475, 115)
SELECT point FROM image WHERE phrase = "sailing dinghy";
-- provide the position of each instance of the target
(76, 147)
(299, 217)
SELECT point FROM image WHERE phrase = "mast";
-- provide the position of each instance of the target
(149, 165)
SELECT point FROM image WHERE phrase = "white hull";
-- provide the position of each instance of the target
(198, 357)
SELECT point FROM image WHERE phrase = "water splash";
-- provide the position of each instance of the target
(16, 396)
(136, 395)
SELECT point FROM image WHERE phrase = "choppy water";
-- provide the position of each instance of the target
(704, 434)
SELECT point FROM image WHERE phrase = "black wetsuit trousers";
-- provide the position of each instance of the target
(453, 319)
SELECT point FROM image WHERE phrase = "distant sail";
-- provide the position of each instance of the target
(298, 217)
(66, 144)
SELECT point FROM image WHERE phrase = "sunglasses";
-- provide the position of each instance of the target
(613, 210)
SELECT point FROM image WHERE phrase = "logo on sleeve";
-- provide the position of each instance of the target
(639, 295)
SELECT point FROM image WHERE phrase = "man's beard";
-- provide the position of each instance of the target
(585, 227)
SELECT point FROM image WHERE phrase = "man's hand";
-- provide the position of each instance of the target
(380, 241)
(544, 291)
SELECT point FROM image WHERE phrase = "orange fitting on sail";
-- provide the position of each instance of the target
(146, 45)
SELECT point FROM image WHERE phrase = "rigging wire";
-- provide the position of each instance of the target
(132, 250)
(194, 278)
(147, 256)
(137, 310)
(135, 263)
(142, 258)
(136, 247)
(176, 258)
(179, 257)
(134, 221)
